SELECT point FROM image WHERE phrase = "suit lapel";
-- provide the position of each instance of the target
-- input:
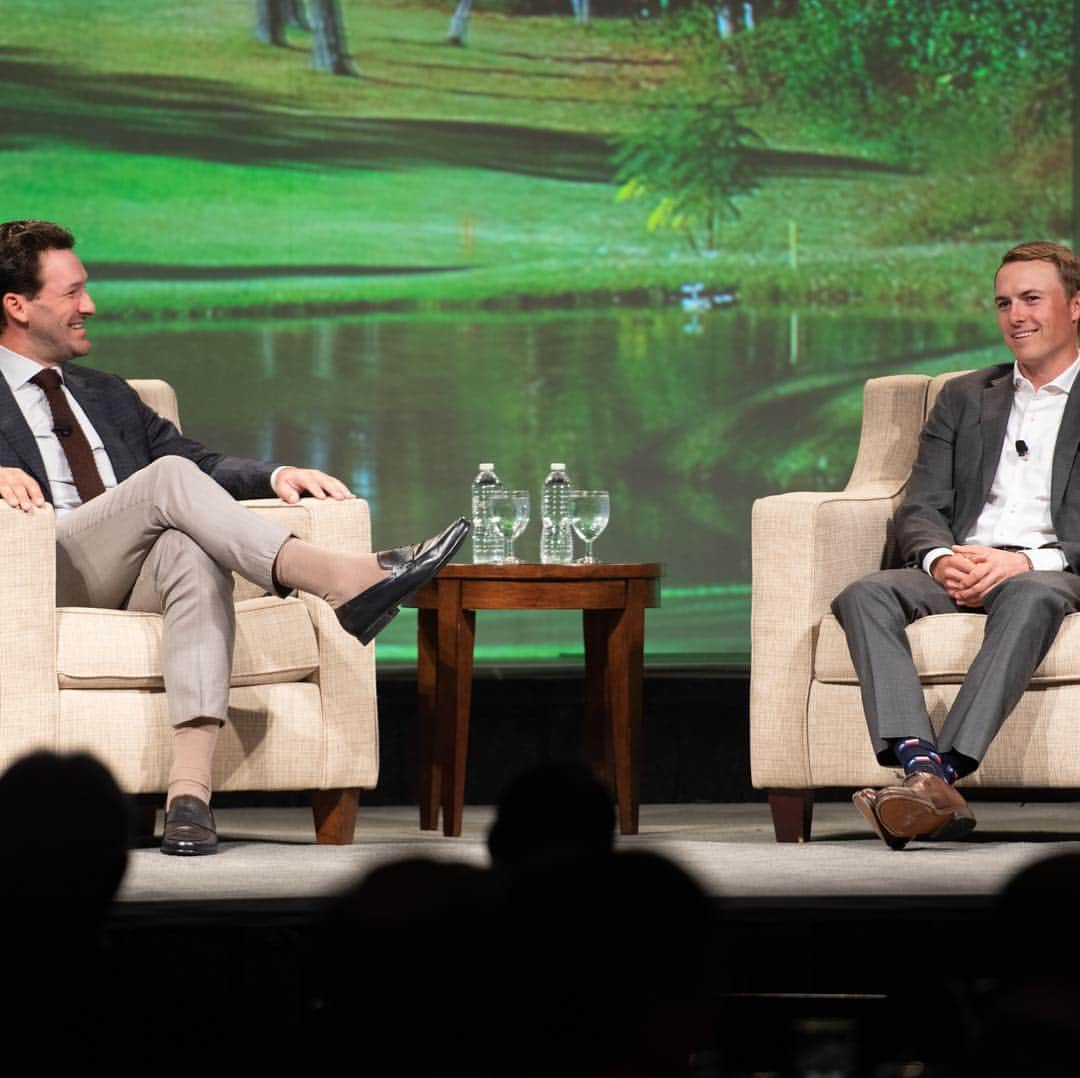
(1065, 449)
(99, 410)
(17, 432)
(994, 420)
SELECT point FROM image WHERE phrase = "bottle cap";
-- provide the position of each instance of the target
(558, 467)
(487, 467)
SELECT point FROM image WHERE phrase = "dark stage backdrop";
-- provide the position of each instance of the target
(666, 246)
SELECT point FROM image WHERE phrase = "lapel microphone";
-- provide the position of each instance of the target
(1021, 448)
(62, 432)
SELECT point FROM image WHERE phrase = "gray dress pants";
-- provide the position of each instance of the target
(166, 540)
(1023, 615)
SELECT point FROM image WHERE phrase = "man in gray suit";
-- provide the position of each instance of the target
(147, 519)
(990, 523)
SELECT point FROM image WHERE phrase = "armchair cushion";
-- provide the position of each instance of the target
(944, 647)
(119, 649)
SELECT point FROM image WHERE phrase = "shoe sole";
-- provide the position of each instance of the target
(951, 830)
(908, 817)
(188, 851)
(378, 625)
(865, 805)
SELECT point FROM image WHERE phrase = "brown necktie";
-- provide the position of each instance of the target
(72, 439)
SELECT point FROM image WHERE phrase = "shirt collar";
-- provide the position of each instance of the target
(1063, 383)
(18, 370)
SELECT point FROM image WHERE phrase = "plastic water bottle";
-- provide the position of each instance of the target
(556, 538)
(487, 544)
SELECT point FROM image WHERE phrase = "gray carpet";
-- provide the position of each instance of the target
(270, 853)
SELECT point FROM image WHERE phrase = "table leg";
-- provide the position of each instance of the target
(625, 665)
(457, 632)
(430, 764)
(596, 627)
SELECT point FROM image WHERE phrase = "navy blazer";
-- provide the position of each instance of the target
(134, 435)
(959, 450)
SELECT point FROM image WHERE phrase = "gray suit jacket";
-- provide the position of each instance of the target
(133, 434)
(959, 449)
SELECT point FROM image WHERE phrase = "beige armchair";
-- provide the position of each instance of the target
(807, 729)
(302, 704)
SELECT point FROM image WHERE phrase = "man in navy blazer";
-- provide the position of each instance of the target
(990, 522)
(134, 435)
(148, 519)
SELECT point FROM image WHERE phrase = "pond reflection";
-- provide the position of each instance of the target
(685, 418)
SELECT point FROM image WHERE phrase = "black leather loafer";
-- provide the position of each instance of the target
(367, 614)
(395, 559)
(189, 828)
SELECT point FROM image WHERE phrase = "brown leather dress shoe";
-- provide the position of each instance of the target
(189, 827)
(923, 807)
(866, 802)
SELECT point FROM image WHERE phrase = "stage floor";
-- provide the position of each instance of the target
(270, 854)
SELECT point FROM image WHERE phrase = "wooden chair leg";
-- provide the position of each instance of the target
(335, 816)
(792, 814)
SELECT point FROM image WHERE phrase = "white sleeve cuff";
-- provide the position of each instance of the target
(937, 552)
(1046, 558)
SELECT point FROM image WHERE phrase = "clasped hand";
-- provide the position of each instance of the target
(970, 572)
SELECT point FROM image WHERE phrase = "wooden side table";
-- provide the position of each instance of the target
(613, 600)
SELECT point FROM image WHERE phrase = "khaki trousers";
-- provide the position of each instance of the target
(167, 541)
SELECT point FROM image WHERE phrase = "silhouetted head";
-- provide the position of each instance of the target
(1036, 919)
(615, 956)
(554, 810)
(410, 956)
(64, 832)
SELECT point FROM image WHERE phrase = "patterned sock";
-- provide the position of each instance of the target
(957, 765)
(914, 754)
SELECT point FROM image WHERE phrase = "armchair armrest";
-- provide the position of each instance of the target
(806, 548)
(29, 693)
(346, 674)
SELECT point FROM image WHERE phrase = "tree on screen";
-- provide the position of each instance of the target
(689, 157)
(329, 49)
(270, 17)
(330, 52)
(297, 14)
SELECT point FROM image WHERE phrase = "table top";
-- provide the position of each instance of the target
(532, 586)
(526, 571)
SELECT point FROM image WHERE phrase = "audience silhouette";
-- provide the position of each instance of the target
(567, 959)
(1032, 1022)
(551, 811)
(64, 833)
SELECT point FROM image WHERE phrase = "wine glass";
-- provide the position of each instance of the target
(508, 514)
(589, 513)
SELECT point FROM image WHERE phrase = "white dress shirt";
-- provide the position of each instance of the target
(1017, 510)
(17, 371)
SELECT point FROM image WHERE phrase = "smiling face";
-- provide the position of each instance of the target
(1037, 319)
(50, 327)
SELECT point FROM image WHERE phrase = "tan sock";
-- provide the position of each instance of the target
(193, 757)
(332, 576)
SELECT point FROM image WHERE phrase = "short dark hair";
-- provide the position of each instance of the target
(1062, 259)
(21, 246)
